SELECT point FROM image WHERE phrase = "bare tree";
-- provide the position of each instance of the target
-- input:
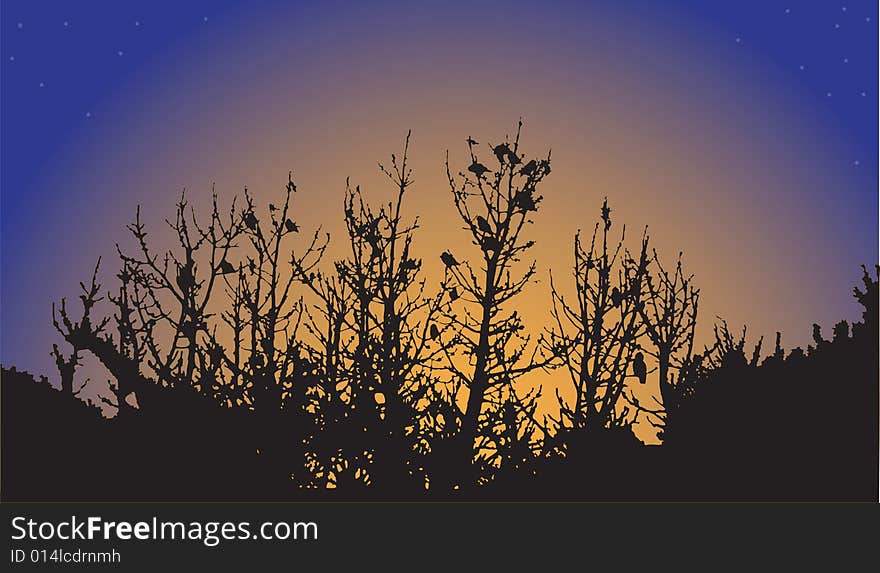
(391, 322)
(77, 334)
(487, 351)
(265, 314)
(670, 317)
(88, 334)
(597, 333)
(173, 290)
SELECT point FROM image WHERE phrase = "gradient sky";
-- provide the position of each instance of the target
(744, 134)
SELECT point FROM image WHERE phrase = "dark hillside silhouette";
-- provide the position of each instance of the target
(246, 365)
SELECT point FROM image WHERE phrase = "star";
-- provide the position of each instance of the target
(739, 40)
(837, 26)
(20, 25)
(845, 60)
(788, 10)
(88, 114)
(119, 53)
(137, 23)
(42, 84)
(864, 94)
(843, 8)
(205, 19)
(11, 58)
(66, 23)
(828, 94)
(803, 67)
(856, 162)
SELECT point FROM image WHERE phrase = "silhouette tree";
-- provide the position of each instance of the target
(597, 335)
(326, 379)
(267, 370)
(79, 335)
(393, 328)
(670, 318)
(495, 207)
(175, 289)
(263, 295)
(130, 331)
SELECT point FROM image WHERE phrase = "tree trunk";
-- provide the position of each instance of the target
(665, 385)
(480, 380)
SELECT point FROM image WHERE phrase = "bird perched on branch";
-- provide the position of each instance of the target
(529, 168)
(478, 169)
(225, 267)
(606, 214)
(483, 224)
(291, 226)
(616, 297)
(185, 278)
(501, 151)
(250, 220)
(525, 201)
(448, 259)
(471, 141)
(435, 332)
(640, 369)
(490, 243)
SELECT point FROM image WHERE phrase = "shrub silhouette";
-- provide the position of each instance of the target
(246, 366)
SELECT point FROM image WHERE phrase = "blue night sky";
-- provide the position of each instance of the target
(82, 52)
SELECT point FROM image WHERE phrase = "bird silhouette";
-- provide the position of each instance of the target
(501, 151)
(529, 168)
(640, 369)
(471, 141)
(435, 332)
(185, 278)
(225, 267)
(250, 220)
(525, 201)
(606, 214)
(478, 169)
(483, 224)
(616, 297)
(272, 207)
(291, 226)
(448, 259)
(491, 244)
